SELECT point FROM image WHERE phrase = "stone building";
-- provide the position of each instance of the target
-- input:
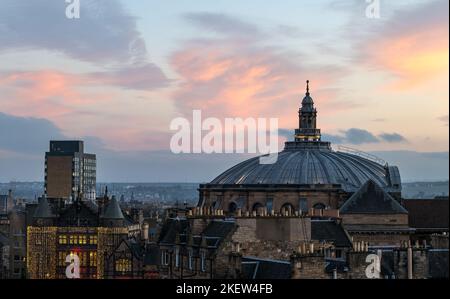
(307, 174)
(428, 217)
(372, 215)
(59, 235)
(13, 229)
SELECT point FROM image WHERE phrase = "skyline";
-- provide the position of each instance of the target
(111, 79)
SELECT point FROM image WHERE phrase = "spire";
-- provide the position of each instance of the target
(307, 129)
(113, 210)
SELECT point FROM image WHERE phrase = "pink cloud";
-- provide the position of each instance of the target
(230, 78)
(413, 45)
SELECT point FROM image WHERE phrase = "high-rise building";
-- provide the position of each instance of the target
(69, 171)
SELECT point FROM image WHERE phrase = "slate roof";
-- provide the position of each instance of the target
(428, 213)
(219, 229)
(214, 233)
(256, 268)
(371, 199)
(170, 228)
(311, 166)
(113, 210)
(330, 230)
(152, 255)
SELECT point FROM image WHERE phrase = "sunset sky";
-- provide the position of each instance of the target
(117, 76)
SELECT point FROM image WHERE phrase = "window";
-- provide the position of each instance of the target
(83, 259)
(93, 240)
(123, 265)
(269, 204)
(319, 206)
(72, 239)
(303, 205)
(190, 260)
(92, 259)
(232, 207)
(82, 240)
(177, 257)
(257, 207)
(164, 258)
(62, 258)
(287, 208)
(203, 261)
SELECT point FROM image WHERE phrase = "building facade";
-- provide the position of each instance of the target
(77, 233)
(69, 171)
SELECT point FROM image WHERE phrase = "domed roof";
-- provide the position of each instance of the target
(309, 161)
(312, 166)
(307, 100)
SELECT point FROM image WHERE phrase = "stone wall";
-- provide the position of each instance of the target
(380, 239)
(375, 219)
(271, 237)
(331, 198)
(308, 266)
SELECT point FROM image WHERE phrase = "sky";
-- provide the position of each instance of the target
(117, 76)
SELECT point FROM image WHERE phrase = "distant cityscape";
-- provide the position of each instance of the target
(171, 193)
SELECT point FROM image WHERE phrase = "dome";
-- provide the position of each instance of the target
(310, 161)
(307, 100)
(313, 166)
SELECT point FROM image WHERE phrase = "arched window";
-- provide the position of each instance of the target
(319, 206)
(303, 205)
(232, 207)
(257, 207)
(287, 207)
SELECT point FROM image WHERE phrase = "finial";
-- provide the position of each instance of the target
(307, 87)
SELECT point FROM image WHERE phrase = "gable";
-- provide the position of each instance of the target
(372, 199)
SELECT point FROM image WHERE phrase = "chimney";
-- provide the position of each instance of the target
(145, 228)
(410, 262)
(9, 201)
(141, 217)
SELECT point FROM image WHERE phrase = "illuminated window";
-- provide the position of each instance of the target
(83, 258)
(82, 240)
(93, 240)
(92, 259)
(72, 239)
(63, 239)
(62, 258)
(123, 265)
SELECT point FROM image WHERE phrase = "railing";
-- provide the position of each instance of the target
(349, 150)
